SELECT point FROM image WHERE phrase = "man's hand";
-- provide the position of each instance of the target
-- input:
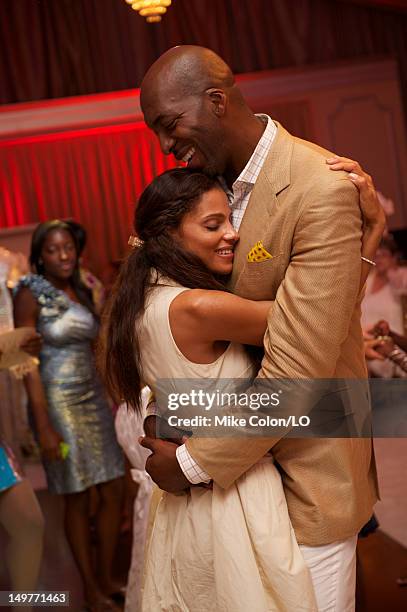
(150, 426)
(163, 465)
(155, 425)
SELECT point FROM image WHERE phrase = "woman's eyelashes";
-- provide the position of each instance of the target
(69, 248)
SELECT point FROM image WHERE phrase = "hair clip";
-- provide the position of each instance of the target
(135, 241)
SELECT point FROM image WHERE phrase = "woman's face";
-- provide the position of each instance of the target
(207, 231)
(59, 255)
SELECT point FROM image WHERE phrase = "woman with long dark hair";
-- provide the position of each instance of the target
(68, 406)
(171, 317)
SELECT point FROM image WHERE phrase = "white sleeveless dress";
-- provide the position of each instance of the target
(211, 549)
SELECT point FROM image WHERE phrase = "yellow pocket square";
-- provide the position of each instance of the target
(258, 253)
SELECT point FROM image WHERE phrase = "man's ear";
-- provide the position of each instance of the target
(218, 101)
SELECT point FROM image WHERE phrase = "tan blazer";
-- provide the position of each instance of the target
(308, 217)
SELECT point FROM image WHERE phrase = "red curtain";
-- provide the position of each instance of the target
(58, 48)
(93, 176)
(53, 49)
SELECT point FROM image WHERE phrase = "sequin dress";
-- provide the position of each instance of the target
(77, 405)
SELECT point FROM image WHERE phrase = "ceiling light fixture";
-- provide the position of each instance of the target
(152, 10)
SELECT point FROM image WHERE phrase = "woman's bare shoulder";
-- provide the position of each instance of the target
(196, 302)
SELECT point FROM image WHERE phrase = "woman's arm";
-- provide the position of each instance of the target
(26, 314)
(374, 219)
(207, 316)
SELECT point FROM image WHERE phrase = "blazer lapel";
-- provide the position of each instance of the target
(263, 203)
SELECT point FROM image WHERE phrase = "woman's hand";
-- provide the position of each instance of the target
(372, 210)
(371, 346)
(381, 328)
(378, 342)
(49, 441)
(386, 346)
(33, 345)
(374, 219)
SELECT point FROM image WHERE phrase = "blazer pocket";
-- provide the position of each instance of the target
(259, 280)
(258, 268)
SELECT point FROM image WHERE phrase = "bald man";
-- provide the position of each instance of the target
(281, 192)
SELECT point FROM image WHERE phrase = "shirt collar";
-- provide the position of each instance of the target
(252, 169)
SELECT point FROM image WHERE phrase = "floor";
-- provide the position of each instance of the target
(381, 561)
(382, 557)
(391, 459)
(58, 571)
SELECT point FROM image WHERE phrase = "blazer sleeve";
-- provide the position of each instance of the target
(311, 315)
(315, 302)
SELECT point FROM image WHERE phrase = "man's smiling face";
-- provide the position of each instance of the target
(187, 126)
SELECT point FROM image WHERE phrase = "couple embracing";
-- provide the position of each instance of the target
(271, 523)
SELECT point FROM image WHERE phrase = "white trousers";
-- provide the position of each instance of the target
(333, 573)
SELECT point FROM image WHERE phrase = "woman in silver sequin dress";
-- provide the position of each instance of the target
(69, 409)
